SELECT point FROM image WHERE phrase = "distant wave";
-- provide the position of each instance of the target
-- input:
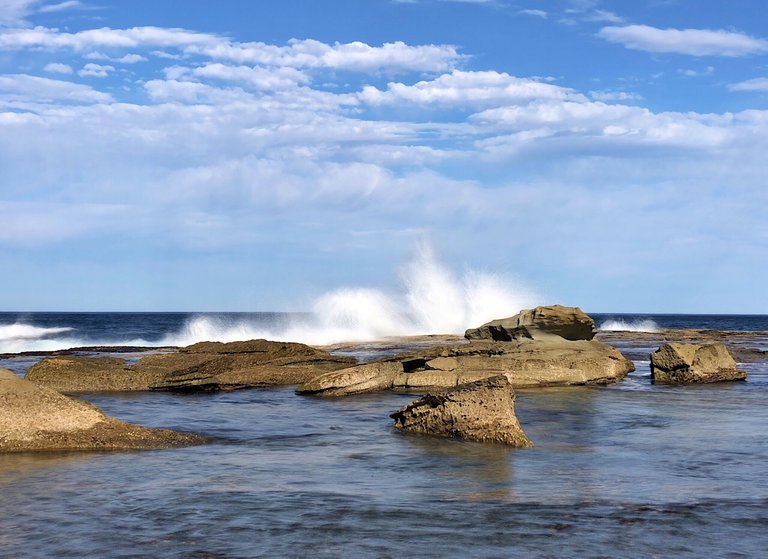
(638, 325)
(19, 337)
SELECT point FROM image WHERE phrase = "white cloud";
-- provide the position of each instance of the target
(690, 73)
(536, 13)
(130, 58)
(58, 68)
(460, 88)
(608, 96)
(259, 78)
(356, 56)
(61, 6)
(32, 88)
(104, 37)
(756, 84)
(95, 70)
(696, 42)
(13, 12)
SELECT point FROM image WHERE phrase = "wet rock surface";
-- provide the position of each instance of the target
(482, 411)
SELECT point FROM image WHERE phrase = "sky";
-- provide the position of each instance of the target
(174, 155)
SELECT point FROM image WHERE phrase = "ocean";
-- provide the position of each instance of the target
(627, 470)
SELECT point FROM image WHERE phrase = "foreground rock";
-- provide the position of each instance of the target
(34, 417)
(541, 323)
(482, 411)
(525, 364)
(693, 363)
(206, 366)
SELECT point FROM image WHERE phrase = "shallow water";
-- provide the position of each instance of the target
(630, 470)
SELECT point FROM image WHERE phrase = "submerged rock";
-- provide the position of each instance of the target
(693, 363)
(482, 411)
(33, 417)
(541, 323)
(525, 364)
(206, 366)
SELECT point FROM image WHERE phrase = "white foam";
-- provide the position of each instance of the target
(638, 325)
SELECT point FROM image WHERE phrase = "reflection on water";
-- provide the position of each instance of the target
(629, 470)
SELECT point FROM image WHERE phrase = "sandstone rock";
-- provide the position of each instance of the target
(369, 377)
(693, 363)
(481, 411)
(213, 366)
(33, 417)
(541, 323)
(90, 374)
(526, 364)
(206, 366)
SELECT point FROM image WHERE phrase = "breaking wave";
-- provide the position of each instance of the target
(639, 325)
(432, 300)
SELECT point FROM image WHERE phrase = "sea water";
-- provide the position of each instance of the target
(628, 470)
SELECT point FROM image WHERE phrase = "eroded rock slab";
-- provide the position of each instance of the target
(34, 417)
(525, 364)
(541, 323)
(482, 411)
(693, 363)
(206, 366)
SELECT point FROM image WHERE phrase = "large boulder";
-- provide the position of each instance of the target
(675, 363)
(206, 366)
(541, 323)
(525, 364)
(33, 417)
(481, 411)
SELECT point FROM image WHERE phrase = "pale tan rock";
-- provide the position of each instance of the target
(526, 364)
(369, 377)
(482, 411)
(541, 323)
(33, 417)
(676, 363)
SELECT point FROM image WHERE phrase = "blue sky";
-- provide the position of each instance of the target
(250, 156)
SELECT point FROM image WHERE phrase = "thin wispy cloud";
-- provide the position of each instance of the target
(695, 42)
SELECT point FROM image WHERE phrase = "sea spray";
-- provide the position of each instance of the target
(431, 301)
(637, 325)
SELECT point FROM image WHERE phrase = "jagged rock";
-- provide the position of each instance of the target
(33, 417)
(541, 323)
(481, 411)
(693, 363)
(206, 366)
(526, 364)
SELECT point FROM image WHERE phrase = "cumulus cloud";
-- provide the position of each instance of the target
(95, 70)
(308, 53)
(462, 88)
(695, 42)
(58, 68)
